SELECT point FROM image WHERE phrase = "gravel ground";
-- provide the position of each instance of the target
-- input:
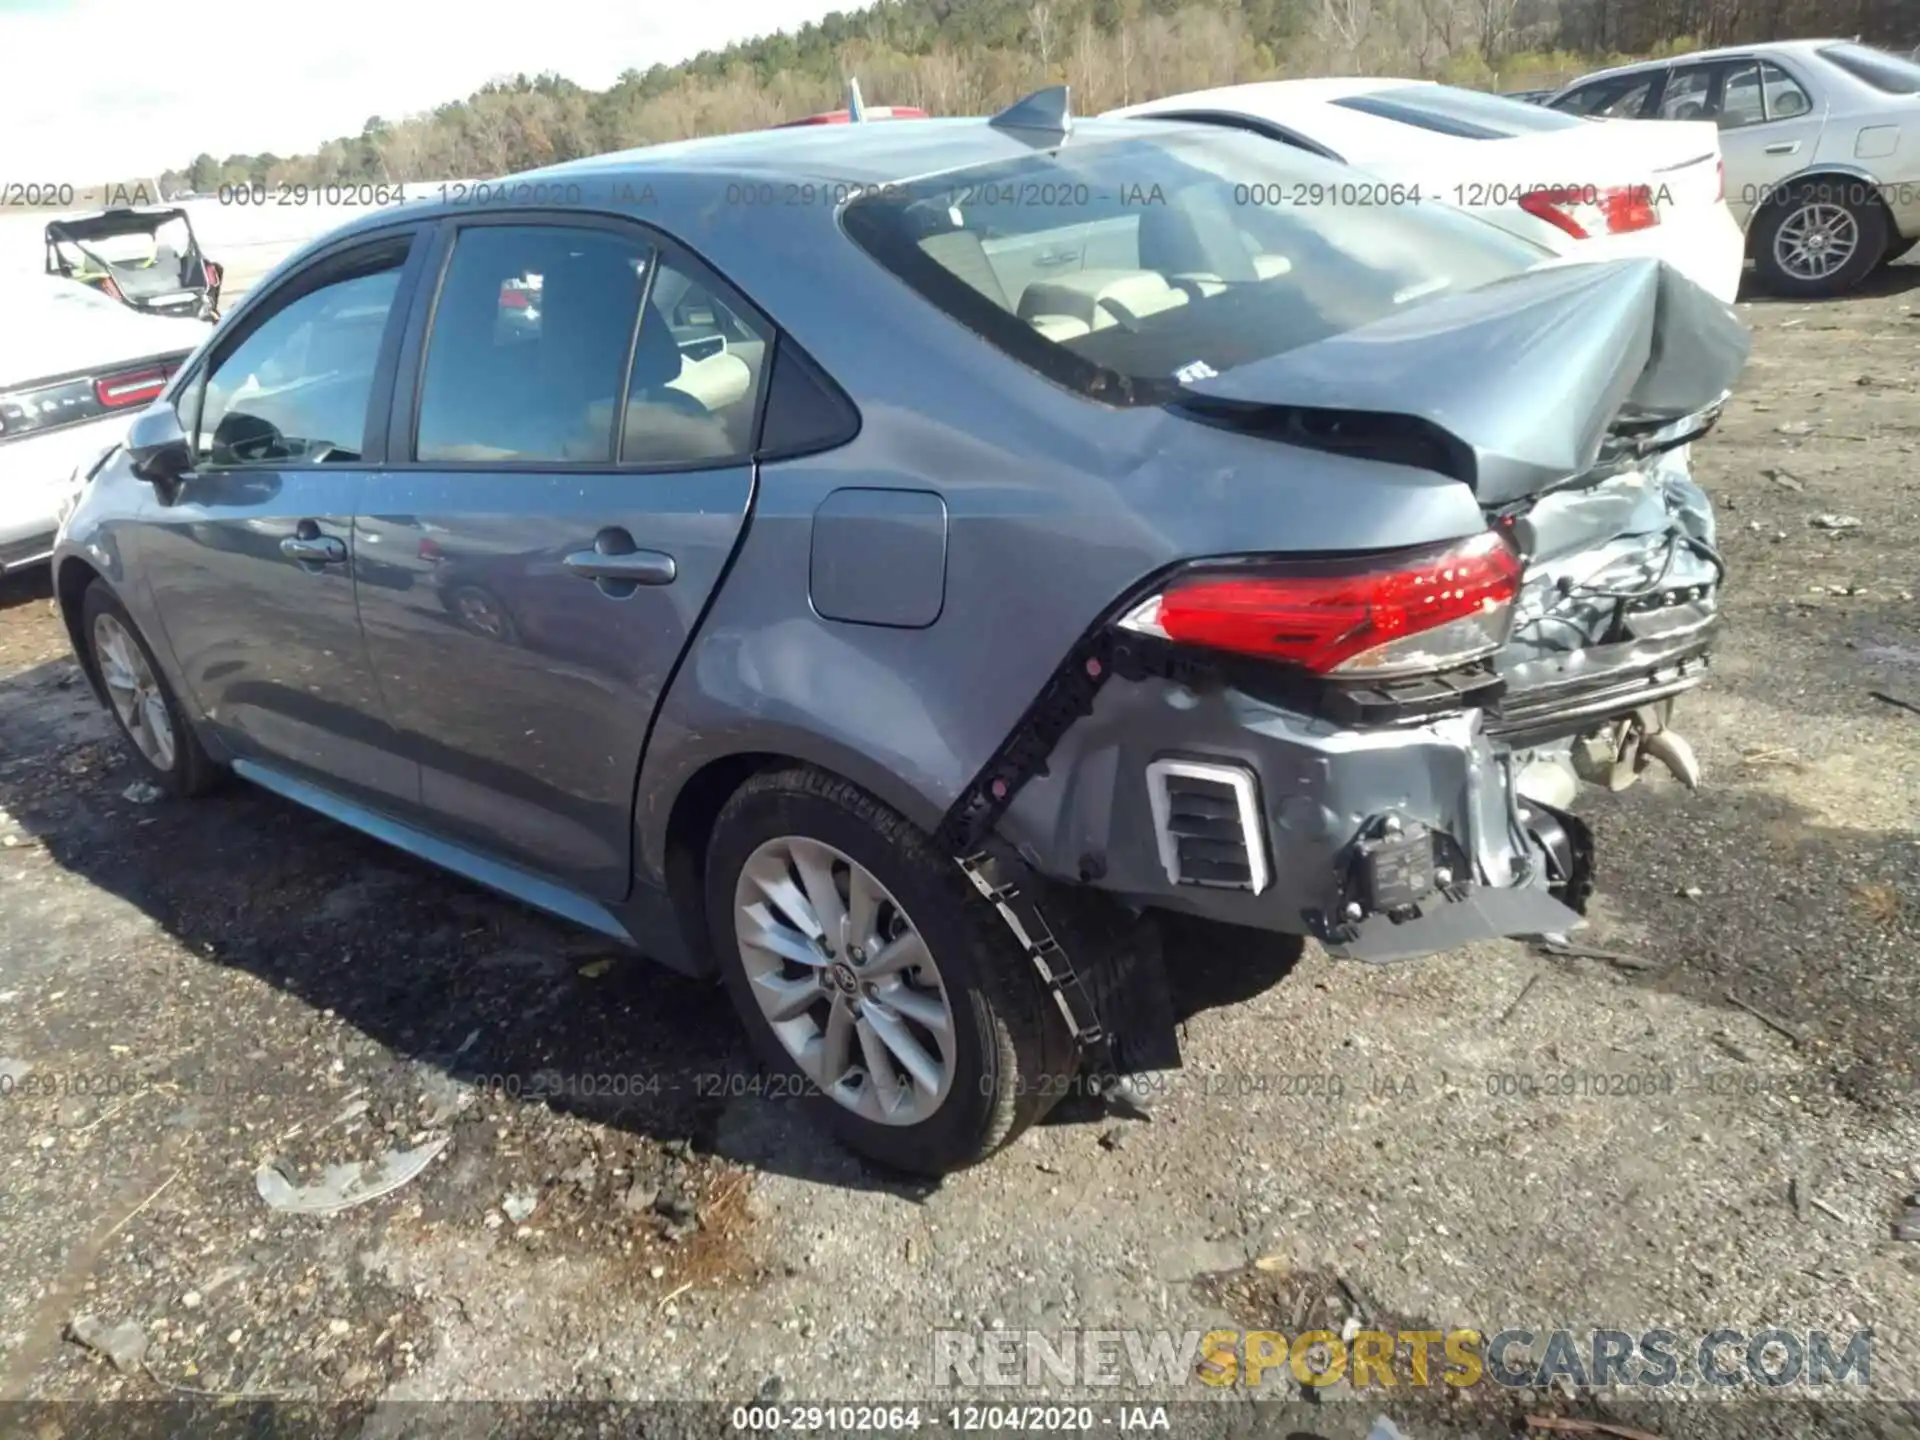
(189, 992)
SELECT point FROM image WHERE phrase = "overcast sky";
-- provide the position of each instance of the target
(91, 93)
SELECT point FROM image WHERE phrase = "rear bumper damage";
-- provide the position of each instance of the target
(1395, 820)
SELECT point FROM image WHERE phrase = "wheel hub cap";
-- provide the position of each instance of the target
(135, 694)
(845, 981)
(1816, 240)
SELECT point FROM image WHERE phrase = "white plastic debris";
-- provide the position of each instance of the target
(344, 1186)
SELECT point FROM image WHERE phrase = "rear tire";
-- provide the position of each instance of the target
(143, 704)
(849, 1022)
(1820, 238)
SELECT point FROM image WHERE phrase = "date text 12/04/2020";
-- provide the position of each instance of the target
(965, 1419)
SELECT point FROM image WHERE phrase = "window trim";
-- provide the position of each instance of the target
(336, 262)
(410, 384)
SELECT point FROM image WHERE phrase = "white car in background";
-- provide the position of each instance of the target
(75, 368)
(1583, 189)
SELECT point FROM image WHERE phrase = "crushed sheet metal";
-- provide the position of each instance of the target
(1527, 374)
(344, 1186)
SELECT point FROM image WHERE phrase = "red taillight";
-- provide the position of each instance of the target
(135, 387)
(514, 299)
(213, 275)
(1719, 180)
(1384, 615)
(1584, 211)
(430, 549)
(109, 289)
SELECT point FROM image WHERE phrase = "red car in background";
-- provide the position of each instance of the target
(858, 111)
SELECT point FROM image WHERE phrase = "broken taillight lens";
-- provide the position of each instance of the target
(1584, 211)
(1401, 613)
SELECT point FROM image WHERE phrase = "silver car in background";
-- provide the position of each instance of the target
(1821, 140)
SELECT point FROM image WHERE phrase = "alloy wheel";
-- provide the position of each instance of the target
(845, 980)
(1816, 240)
(135, 693)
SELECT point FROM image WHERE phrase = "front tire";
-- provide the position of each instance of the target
(868, 971)
(1820, 239)
(150, 717)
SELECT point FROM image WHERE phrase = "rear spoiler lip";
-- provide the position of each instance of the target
(1699, 159)
(1516, 387)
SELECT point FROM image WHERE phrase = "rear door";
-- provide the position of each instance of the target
(250, 566)
(569, 472)
(1769, 129)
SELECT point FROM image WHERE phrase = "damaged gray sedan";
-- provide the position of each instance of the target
(891, 561)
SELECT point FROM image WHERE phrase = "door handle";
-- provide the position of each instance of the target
(617, 565)
(643, 567)
(1784, 147)
(1056, 257)
(315, 549)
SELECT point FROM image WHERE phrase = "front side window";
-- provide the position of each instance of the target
(529, 344)
(1172, 255)
(296, 390)
(1623, 97)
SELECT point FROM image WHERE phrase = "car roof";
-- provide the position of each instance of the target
(856, 156)
(1804, 49)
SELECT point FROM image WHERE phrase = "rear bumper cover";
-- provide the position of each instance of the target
(1323, 794)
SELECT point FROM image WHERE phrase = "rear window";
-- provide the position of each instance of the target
(1879, 69)
(1120, 269)
(1464, 114)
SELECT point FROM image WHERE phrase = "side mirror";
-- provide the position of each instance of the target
(158, 448)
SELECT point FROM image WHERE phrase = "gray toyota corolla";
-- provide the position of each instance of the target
(880, 565)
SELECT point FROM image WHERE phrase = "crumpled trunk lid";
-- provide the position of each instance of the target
(1515, 388)
(1567, 399)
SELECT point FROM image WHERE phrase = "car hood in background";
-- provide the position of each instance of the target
(50, 326)
(1525, 376)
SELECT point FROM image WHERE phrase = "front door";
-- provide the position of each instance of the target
(531, 574)
(250, 566)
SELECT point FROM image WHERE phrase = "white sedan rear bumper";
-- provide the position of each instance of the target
(1704, 243)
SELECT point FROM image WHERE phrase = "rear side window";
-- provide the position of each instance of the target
(529, 346)
(1883, 71)
(1120, 269)
(1785, 99)
(296, 390)
(1463, 114)
(558, 345)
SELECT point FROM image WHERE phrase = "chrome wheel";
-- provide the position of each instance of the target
(135, 694)
(845, 980)
(1816, 240)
